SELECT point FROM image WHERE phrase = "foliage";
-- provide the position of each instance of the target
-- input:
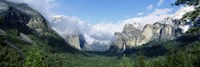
(192, 15)
(2, 38)
(34, 58)
(181, 52)
(125, 62)
(9, 57)
(140, 60)
(193, 31)
(178, 54)
(71, 60)
(1, 20)
(188, 2)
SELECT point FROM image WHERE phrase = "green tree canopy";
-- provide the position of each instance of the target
(187, 2)
(1, 20)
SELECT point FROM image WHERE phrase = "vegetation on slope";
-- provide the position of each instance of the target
(192, 15)
(183, 51)
(178, 54)
(188, 2)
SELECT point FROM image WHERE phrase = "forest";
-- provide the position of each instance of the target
(183, 51)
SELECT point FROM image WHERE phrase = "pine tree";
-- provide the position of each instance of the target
(188, 2)
(125, 62)
(34, 58)
(170, 57)
(140, 62)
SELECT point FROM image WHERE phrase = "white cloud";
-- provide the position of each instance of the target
(160, 2)
(66, 25)
(104, 32)
(156, 15)
(140, 14)
(184, 9)
(161, 12)
(42, 6)
(149, 7)
(100, 32)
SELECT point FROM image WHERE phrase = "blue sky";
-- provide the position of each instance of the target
(96, 11)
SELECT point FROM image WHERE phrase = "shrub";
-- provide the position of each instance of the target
(125, 62)
(34, 58)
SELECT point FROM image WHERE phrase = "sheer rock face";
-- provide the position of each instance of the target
(131, 37)
(74, 40)
(167, 32)
(119, 40)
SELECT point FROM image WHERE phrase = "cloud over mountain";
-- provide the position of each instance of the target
(98, 32)
(42, 6)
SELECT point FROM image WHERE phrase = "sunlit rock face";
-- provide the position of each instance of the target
(73, 39)
(148, 34)
(69, 30)
(76, 40)
(131, 36)
(167, 32)
(119, 40)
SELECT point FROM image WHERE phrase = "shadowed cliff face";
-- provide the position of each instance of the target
(26, 20)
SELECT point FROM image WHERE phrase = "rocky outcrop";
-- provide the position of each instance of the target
(73, 39)
(131, 36)
(25, 38)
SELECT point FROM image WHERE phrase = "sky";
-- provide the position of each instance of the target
(97, 11)
(98, 20)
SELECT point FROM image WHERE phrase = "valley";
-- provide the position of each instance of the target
(27, 39)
